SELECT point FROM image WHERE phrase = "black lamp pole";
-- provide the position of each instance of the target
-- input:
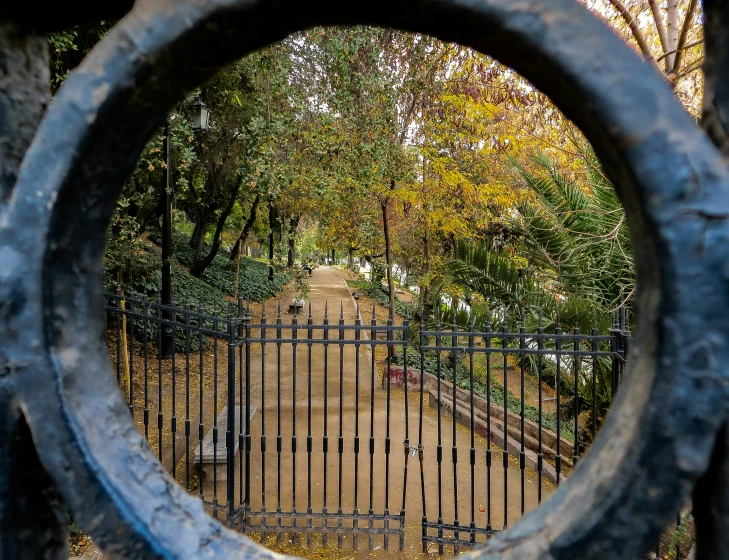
(167, 347)
(201, 121)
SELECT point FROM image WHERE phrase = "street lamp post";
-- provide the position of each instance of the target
(200, 121)
(167, 348)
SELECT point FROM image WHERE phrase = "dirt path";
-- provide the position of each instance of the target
(345, 400)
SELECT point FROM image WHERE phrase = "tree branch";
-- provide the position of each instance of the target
(238, 248)
(633, 25)
(199, 267)
(692, 68)
(659, 25)
(680, 48)
(685, 48)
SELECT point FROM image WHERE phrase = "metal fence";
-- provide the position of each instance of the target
(304, 425)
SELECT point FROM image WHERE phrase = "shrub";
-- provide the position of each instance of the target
(254, 282)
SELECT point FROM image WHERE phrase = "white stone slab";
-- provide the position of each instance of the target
(220, 455)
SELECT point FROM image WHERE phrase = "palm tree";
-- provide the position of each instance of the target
(575, 265)
(574, 233)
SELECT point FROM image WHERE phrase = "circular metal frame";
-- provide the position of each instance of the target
(659, 436)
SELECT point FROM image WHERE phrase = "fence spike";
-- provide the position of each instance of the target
(341, 310)
(279, 309)
(594, 319)
(559, 320)
(541, 325)
(309, 310)
(577, 319)
(326, 309)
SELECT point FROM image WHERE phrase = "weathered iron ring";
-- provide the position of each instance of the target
(667, 174)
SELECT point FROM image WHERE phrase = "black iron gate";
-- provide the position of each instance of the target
(540, 445)
(301, 424)
(332, 422)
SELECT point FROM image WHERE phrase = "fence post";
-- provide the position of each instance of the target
(615, 349)
(230, 430)
(623, 345)
(247, 432)
(626, 335)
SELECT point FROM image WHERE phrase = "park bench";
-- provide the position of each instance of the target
(217, 458)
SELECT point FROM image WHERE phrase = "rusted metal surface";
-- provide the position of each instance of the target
(64, 420)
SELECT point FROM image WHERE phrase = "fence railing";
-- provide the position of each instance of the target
(307, 423)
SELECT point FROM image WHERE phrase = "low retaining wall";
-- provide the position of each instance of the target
(397, 378)
(480, 427)
(483, 411)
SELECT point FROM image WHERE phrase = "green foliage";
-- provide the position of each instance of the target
(574, 249)
(67, 48)
(682, 537)
(254, 284)
(380, 294)
(574, 232)
(301, 282)
(186, 289)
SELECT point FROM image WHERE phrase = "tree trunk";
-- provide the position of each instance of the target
(293, 224)
(388, 250)
(350, 257)
(199, 240)
(291, 257)
(200, 264)
(195, 230)
(271, 226)
(241, 243)
(198, 235)
(424, 289)
(454, 301)
(671, 31)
